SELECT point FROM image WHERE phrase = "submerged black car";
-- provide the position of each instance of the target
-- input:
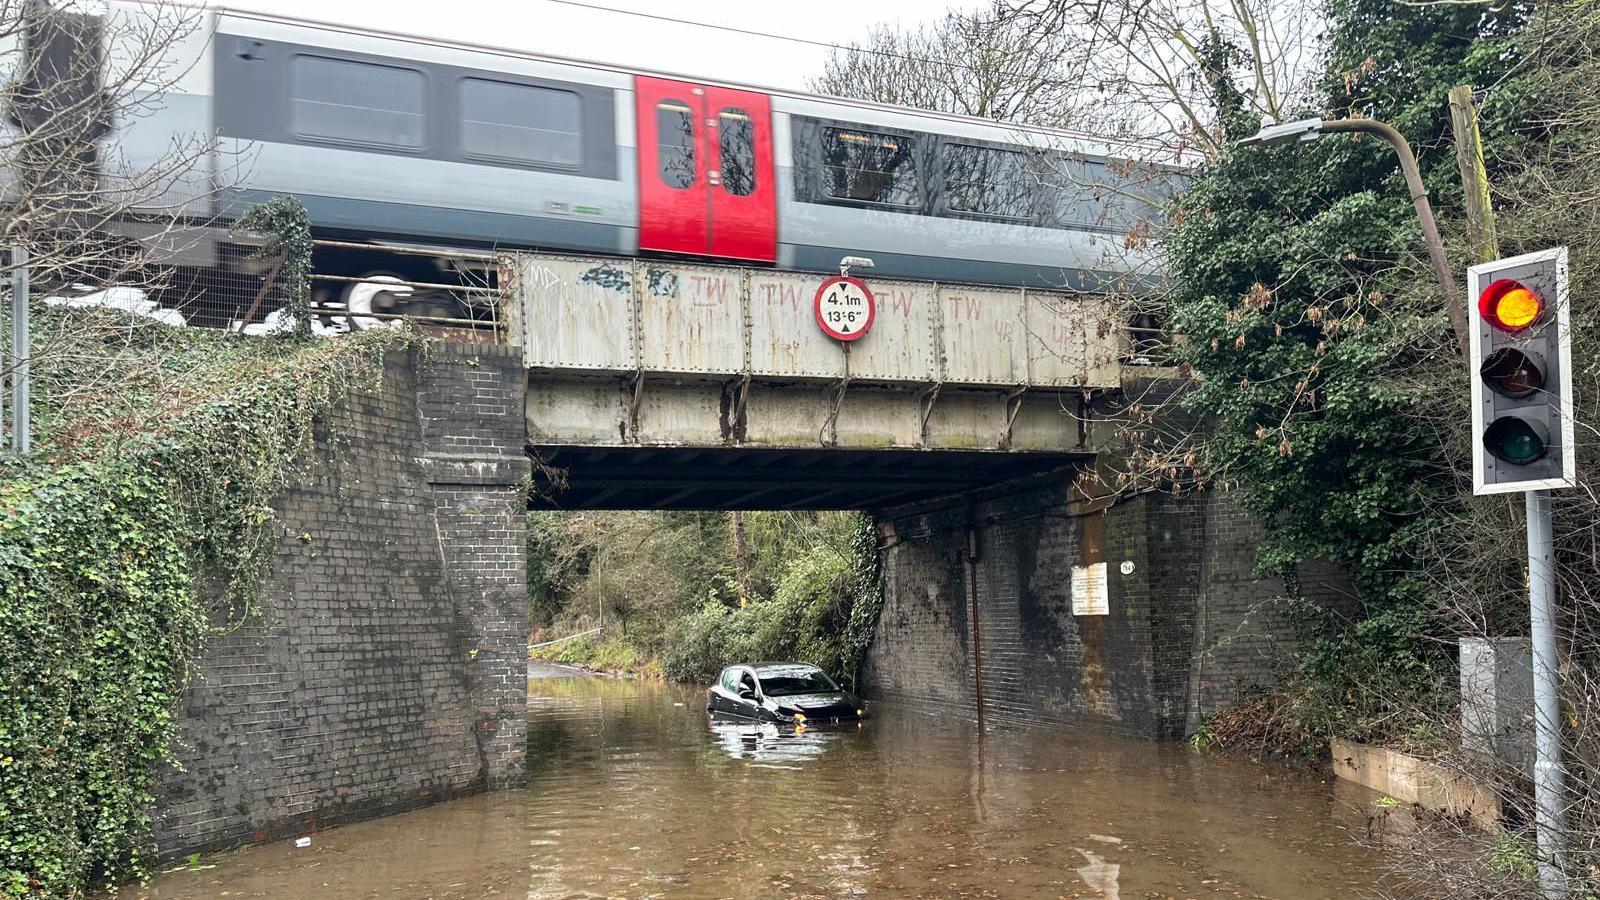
(786, 693)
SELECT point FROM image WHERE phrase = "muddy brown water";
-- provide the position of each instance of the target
(634, 794)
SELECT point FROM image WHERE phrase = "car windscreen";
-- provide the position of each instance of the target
(783, 682)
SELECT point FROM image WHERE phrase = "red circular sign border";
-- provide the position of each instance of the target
(872, 307)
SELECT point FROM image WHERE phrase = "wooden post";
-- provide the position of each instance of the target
(261, 293)
(1474, 176)
(21, 351)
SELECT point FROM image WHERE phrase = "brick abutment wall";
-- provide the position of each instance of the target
(1189, 627)
(387, 668)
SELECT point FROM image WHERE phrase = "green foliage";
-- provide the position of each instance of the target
(288, 230)
(98, 615)
(1321, 350)
(804, 620)
(1398, 63)
(1514, 855)
(866, 598)
(160, 453)
(610, 655)
(544, 558)
(631, 570)
(668, 587)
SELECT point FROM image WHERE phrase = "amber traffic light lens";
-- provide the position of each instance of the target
(1509, 305)
(1516, 441)
(1512, 373)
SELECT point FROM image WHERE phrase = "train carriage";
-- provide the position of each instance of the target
(394, 138)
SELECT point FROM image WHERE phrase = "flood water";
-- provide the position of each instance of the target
(633, 794)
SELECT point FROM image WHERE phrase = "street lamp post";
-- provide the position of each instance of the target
(1311, 129)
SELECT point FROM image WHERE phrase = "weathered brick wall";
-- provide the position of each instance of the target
(921, 643)
(473, 425)
(1189, 627)
(383, 672)
(1177, 540)
(1242, 636)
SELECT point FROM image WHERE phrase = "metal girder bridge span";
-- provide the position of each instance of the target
(653, 384)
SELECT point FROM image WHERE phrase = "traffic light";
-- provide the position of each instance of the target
(1521, 374)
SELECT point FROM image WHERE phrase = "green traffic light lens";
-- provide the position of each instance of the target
(1516, 441)
(1521, 446)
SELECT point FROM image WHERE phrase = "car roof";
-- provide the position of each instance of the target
(783, 668)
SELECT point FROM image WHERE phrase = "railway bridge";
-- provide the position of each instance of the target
(961, 420)
(388, 667)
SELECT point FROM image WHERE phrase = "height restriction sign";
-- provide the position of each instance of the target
(845, 308)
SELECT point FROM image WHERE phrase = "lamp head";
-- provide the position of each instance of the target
(853, 262)
(1283, 132)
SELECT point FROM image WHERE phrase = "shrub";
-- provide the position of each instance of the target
(807, 620)
(815, 587)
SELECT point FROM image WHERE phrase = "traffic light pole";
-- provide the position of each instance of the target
(1549, 788)
(1547, 269)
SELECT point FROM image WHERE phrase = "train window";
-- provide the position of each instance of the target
(675, 143)
(736, 143)
(357, 102)
(521, 123)
(1083, 194)
(870, 167)
(989, 181)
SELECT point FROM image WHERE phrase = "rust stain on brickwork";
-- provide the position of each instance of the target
(973, 617)
(1092, 629)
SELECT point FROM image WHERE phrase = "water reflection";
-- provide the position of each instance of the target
(766, 744)
(634, 793)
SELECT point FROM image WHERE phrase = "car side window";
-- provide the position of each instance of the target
(730, 679)
(749, 681)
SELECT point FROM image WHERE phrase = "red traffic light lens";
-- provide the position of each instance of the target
(1513, 373)
(1510, 305)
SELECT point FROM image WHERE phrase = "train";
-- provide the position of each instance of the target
(399, 140)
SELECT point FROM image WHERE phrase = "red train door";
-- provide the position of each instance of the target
(744, 197)
(705, 170)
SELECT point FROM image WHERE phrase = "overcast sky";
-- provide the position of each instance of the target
(547, 27)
